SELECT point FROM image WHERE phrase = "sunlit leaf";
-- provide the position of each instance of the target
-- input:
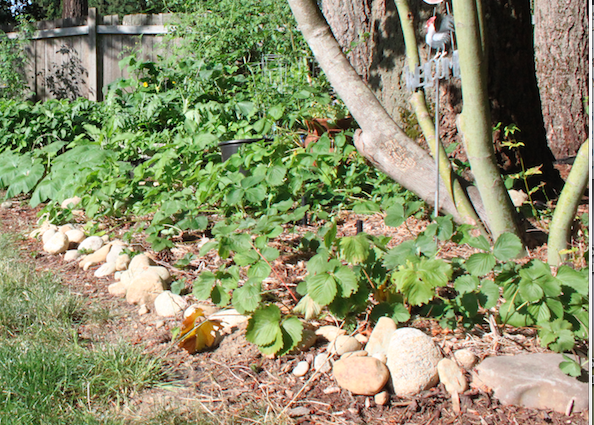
(198, 334)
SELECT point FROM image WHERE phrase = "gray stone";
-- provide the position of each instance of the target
(380, 336)
(71, 255)
(532, 380)
(361, 375)
(412, 359)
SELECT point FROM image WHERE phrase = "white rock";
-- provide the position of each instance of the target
(6, 205)
(65, 228)
(380, 336)
(451, 376)
(143, 310)
(45, 225)
(361, 338)
(117, 275)
(48, 234)
(92, 243)
(122, 262)
(381, 398)
(412, 361)
(168, 304)
(144, 288)
(57, 244)
(230, 318)
(105, 270)
(330, 332)
(96, 257)
(71, 255)
(75, 236)
(465, 358)
(117, 247)
(323, 363)
(70, 202)
(301, 369)
(117, 289)
(344, 344)
(139, 262)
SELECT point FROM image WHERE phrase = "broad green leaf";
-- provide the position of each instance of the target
(264, 326)
(530, 290)
(470, 303)
(446, 227)
(570, 367)
(395, 215)
(330, 235)
(401, 313)
(270, 253)
(465, 284)
(275, 177)
(418, 279)
(255, 194)
(247, 297)
(489, 294)
(557, 335)
(576, 280)
(514, 317)
(355, 249)
(480, 264)
(275, 346)
(347, 280)
(366, 207)
(203, 285)
(220, 295)
(251, 181)
(507, 247)
(246, 258)
(318, 264)
(240, 242)
(399, 254)
(235, 196)
(292, 330)
(208, 246)
(322, 288)
(260, 270)
(479, 242)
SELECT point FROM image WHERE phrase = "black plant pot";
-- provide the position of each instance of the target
(230, 147)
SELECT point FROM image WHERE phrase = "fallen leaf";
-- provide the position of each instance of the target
(197, 333)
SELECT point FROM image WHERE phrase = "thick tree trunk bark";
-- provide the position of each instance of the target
(381, 140)
(74, 8)
(561, 46)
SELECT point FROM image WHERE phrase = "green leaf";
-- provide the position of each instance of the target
(275, 177)
(479, 242)
(573, 279)
(489, 294)
(401, 313)
(207, 247)
(255, 194)
(264, 326)
(399, 254)
(446, 228)
(260, 270)
(507, 247)
(322, 288)
(557, 335)
(511, 316)
(235, 196)
(570, 367)
(247, 297)
(270, 253)
(480, 264)
(395, 215)
(308, 307)
(465, 284)
(347, 280)
(366, 207)
(330, 235)
(292, 330)
(530, 290)
(418, 279)
(354, 249)
(246, 258)
(251, 181)
(203, 285)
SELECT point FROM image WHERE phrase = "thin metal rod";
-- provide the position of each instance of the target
(436, 213)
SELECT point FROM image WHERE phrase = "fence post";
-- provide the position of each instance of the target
(93, 62)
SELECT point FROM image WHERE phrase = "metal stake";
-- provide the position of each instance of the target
(436, 213)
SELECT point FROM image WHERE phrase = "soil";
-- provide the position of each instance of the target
(234, 382)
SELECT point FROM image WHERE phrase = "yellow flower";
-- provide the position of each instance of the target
(145, 84)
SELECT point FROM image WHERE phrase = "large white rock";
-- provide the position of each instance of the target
(105, 270)
(168, 304)
(344, 344)
(122, 262)
(144, 288)
(48, 234)
(75, 236)
(57, 244)
(117, 247)
(412, 359)
(139, 262)
(92, 243)
(96, 257)
(71, 255)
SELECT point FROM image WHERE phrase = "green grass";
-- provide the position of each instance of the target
(46, 375)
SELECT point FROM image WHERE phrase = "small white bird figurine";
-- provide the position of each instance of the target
(439, 39)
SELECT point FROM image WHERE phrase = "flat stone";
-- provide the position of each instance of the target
(105, 270)
(139, 262)
(451, 376)
(361, 375)
(380, 336)
(412, 359)
(533, 381)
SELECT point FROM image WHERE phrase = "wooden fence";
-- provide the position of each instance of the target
(69, 58)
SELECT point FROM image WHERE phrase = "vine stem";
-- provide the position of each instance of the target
(276, 273)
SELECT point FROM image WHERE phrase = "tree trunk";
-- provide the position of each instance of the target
(74, 8)
(381, 140)
(561, 46)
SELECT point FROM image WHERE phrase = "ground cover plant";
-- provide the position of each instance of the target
(148, 156)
